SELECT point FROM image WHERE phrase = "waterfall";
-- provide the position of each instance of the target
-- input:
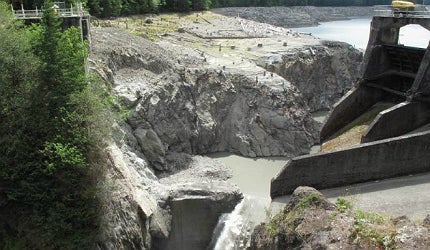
(234, 230)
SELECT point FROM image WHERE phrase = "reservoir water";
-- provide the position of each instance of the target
(356, 32)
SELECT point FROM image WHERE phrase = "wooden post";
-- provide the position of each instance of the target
(37, 12)
(71, 9)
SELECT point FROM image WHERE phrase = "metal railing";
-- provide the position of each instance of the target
(73, 11)
(390, 11)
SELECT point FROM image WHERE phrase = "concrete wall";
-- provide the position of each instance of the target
(400, 119)
(353, 104)
(385, 31)
(376, 160)
(377, 63)
(193, 222)
(422, 80)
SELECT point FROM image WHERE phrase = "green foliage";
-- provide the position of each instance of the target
(287, 218)
(370, 231)
(275, 222)
(62, 156)
(53, 120)
(310, 200)
(342, 204)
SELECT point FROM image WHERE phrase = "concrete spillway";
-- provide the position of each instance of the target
(395, 141)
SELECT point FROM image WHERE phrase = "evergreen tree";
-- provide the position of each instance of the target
(45, 181)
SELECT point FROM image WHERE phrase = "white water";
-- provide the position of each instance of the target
(252, 176)
(234, 230)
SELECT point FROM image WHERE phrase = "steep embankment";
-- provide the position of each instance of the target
(188, 94)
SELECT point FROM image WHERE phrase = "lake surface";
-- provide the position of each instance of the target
(356, 32)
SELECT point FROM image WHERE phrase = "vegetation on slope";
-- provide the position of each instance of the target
(49, 115)
(309, 221)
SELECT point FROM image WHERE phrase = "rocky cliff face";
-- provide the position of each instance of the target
(198, 110)
(327, 72)
(144, 211)
(182, 103)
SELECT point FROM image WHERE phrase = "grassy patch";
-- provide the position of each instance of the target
(372, 230)
(288, 219)
(309, 200)
(342, 204)
(158, 25)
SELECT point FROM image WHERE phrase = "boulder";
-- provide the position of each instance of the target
(151, 146)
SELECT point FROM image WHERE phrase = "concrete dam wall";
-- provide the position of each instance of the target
(370, 161)
(394, 142)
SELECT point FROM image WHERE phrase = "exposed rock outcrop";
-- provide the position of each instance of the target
(330, 70)
(198, 196)
(142, 211)
(309, 221)
(197, 110)
(183, 102)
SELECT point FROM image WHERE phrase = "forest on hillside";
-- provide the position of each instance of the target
(112, 8)
(51, 135)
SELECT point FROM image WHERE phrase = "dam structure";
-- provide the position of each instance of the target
(393, 94)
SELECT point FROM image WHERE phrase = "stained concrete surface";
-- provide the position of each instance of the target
(408, 195)
(388, 158)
